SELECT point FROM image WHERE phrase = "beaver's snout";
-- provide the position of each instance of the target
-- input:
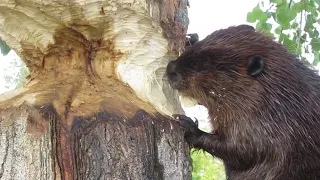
(175, 79)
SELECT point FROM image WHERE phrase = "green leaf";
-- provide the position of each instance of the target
(265, 27)
(315, 34)
(294, 10)
(251, 18)
(294, 25)
(269, 14)
(205, 166)
(312, 9)
(309, 24)
(283, 18)
(277, 1)
(278, 30)
(274, 16)
(286, 26)
(291, 45)
(297, 7)
(317, 1)
(316, 58)
(281, 37)
(313, 17)
(258, 13)
(315, 43)
(5, 49)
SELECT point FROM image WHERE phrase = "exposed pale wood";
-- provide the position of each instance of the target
(130, 40)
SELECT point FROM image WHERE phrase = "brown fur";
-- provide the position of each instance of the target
(265, 127)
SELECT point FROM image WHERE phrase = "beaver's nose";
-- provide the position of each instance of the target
(173, 76)
(171, 67)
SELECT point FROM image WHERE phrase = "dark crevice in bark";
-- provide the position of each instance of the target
(49, 113)
(158, 168)
(5, 155)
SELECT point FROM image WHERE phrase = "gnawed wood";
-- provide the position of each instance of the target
(77, 96)
(125, 40)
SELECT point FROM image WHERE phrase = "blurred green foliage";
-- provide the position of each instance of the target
(295, 24)
(206, 167)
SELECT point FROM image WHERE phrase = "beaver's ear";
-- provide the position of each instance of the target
(255, 65)
(191, 39)
(246, 27)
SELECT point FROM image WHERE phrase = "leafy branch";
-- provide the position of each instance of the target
(295, 25)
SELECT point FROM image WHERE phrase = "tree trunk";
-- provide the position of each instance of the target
(97, 103)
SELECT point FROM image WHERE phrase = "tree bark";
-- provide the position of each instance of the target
(97, 104)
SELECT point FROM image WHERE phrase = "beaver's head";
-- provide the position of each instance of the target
(231, 67)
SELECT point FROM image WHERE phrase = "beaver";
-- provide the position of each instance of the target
(191, 39)
(263, 104)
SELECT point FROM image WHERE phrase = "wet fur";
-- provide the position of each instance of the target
(265, 126)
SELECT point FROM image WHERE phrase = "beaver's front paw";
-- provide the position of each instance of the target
(192, 132)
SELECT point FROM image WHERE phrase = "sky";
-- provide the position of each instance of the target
(205, 16)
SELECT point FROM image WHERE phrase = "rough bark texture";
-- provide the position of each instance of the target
(25, 145)
(93, 65)
(36, 144)
(144, 147)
